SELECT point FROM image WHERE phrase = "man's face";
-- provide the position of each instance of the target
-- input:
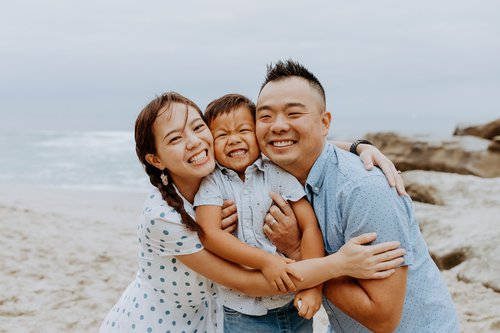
(291, 124)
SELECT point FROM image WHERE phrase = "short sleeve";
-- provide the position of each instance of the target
(371, 205)
(165, 234)
(285, 184)
(209, 192)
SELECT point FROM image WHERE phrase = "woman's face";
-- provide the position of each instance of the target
(184, 144)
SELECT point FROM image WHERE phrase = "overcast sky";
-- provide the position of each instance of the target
(414, 66)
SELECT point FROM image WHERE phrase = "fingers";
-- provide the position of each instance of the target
(368, 164)
(383, 274)
(389, 255)
(400, 185)
(289, 285)
(281, 203)
(388, 265)
(390, 173)
(268, 231)
(295, 273)
(364, 238)
(384, 247)
(281, 286)
(228, 209)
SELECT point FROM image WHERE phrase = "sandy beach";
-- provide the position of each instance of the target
(68, 255)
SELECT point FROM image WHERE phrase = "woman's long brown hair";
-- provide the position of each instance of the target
(145, 144)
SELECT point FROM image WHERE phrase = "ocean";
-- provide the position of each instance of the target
(106, 160)
(98, 160)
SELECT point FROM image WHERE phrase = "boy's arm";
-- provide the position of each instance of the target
(225, 245)
(377, 304)
(308, 301)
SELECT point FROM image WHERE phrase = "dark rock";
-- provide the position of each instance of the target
(485, 131)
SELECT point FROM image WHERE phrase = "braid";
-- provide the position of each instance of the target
(145, 144)
(170, 195)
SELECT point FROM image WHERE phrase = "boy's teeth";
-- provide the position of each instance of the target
(237, 153)
(282, 143)
(198, 157)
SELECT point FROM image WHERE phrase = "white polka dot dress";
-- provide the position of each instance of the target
(166, 295)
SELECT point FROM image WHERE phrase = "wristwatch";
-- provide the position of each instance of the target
(355, 144)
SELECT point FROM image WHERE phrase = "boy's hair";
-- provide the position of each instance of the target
(225, 105)
(289, 68)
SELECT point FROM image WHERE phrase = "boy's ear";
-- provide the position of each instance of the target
(154, 161)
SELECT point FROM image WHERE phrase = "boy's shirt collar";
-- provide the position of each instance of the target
(258, 164)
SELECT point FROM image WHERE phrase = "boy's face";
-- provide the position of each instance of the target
(235, 144)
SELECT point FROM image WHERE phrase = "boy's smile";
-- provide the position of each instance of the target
(235, 144)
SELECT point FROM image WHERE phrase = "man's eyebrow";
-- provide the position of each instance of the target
(287, 106)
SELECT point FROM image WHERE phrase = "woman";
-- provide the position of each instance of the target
(173, 290)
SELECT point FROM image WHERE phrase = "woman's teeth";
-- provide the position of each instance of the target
(198, 157)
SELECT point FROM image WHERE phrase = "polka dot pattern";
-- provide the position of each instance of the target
(166, 295)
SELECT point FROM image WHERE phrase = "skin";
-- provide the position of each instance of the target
(236, 148)
(180, 138)
(291, 128)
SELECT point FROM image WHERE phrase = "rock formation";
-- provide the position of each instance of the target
(460, 154)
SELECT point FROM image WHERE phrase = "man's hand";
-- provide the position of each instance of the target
(229, 214)
(281, 227)
(370, 156)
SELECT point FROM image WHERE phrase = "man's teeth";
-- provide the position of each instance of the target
(198, 157)
(237, 153)
(282, 143)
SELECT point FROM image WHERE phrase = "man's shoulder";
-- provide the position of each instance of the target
(349, 169)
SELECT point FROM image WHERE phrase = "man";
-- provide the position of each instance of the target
(291, 128)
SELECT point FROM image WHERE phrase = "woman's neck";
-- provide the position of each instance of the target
(188, 188)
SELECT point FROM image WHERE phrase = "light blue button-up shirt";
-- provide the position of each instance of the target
(348, 201)
(252, 202)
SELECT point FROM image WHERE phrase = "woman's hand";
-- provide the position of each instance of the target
(370, 261)
(229, 220)
(371, 156)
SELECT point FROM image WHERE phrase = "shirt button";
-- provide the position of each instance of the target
(316, 188)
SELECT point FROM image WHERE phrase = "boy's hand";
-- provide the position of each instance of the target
(308, 302)
(276, 270)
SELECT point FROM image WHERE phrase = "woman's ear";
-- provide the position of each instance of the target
(154, 161)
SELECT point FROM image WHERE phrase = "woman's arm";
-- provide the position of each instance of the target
(225, 245)
(353, 259)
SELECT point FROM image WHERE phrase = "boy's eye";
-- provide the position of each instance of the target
(220, 135)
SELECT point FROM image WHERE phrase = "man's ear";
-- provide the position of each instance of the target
(326, 118)
(154, 161)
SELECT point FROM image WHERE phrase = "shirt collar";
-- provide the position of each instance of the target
(258, 164)
(317, 174)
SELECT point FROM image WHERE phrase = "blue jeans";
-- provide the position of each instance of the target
(281, 320)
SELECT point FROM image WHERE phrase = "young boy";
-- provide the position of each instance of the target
(243, 176)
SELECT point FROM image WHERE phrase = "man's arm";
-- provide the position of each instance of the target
(377, 304)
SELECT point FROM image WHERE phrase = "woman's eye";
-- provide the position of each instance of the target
(175, 139)
(200, 126)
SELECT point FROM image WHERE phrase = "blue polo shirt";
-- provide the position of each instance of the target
(349, 201)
